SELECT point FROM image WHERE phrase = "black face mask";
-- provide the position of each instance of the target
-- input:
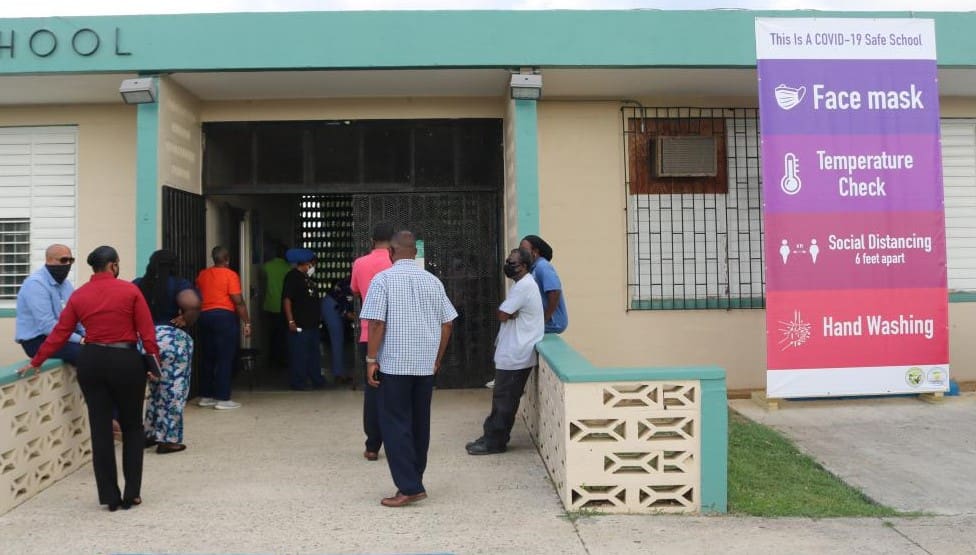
(58, 271)
(511, 270)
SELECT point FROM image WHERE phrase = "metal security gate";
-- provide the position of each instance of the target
(184, 231)
(460, 232)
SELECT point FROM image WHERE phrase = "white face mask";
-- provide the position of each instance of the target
(310, 270)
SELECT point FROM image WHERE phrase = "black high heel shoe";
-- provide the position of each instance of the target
(129, 503)
(112, 508)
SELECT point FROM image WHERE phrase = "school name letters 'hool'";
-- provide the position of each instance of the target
(825, 99)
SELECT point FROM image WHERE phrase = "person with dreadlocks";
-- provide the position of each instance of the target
(555, 316)
(174, 305)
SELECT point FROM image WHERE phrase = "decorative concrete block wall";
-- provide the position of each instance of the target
(43, 431)
(629, 440)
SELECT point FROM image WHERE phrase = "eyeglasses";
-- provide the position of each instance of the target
(67, 260)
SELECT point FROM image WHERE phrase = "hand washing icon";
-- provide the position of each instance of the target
(788, 97)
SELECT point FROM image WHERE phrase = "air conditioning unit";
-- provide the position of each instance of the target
(685, 156)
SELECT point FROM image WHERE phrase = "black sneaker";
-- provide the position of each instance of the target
(485, 449)
(481, 439)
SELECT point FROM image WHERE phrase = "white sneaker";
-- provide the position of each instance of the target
(227, 405)
(206, 402)
(490, 385)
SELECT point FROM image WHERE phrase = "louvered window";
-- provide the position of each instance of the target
(959, 175)
(38, 177)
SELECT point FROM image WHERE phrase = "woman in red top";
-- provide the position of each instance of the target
(111, 372)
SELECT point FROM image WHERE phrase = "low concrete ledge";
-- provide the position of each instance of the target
(630, 440)
(43, 430)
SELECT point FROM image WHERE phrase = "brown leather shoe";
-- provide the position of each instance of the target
(402, 500)
(371, 455)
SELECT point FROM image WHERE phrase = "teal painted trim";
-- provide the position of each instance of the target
(8, 312)
(698, 304)
(571, 367)
(714, 437)
(527, 166)
(8, 374)
(147, 193)
(962, 297)
(421, 39)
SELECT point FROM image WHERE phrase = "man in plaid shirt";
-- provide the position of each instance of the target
(410, 319)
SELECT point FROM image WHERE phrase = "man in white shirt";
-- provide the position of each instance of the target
(523, 326)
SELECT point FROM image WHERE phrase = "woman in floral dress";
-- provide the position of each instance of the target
(174, 305)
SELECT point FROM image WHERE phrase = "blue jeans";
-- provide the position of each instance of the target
(404, 403)
(335, 324)
(220, 336)
(305, 358)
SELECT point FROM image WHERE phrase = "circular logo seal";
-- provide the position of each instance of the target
(914, 376)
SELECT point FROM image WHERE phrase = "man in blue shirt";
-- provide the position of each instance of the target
(553, 299)
(40, 300)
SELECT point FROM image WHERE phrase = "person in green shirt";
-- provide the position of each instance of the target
(273, 274)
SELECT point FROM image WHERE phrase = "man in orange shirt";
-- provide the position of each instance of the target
(220, 289)
(363, 270)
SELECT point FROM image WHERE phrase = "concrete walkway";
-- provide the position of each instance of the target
(285, 474)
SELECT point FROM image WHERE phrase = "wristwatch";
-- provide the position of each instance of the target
(370, 360)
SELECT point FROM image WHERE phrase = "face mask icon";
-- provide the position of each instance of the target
(788, 97)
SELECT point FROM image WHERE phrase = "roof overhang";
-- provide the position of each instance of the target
(558, 83)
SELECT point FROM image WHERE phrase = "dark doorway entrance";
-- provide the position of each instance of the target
(442, 179)
(460, 232)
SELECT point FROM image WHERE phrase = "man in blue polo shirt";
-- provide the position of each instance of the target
(40, 300)
(553, 299)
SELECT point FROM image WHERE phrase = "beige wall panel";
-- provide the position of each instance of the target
(957, 107)
(582, 201)
(363, 108)
(180, 142)
(962, 348)
(106, 185)
(11, 352)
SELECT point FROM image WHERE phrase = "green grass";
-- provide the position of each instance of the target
(769, 477)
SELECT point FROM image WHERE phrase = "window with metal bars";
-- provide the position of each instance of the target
(14, 255)
(695, 241)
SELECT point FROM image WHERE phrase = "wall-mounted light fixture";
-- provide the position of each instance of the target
(526, 86)
(138, 91)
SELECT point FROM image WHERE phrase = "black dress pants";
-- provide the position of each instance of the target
(509, 386)
(114, 378)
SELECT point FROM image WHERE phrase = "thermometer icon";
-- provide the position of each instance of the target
(791, 181)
